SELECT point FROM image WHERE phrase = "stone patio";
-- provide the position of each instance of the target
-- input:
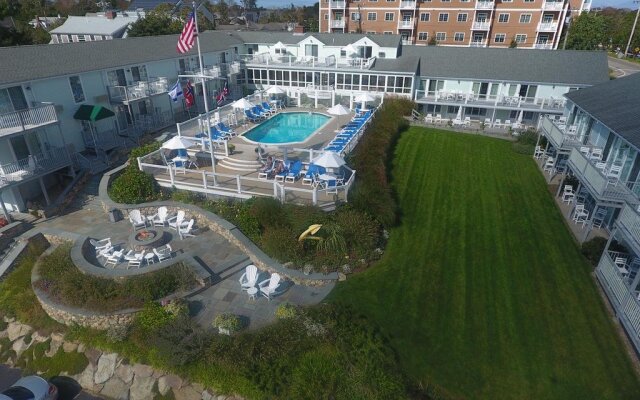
(223, 260)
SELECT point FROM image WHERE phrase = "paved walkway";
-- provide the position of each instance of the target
(623, 67)
(225, 261)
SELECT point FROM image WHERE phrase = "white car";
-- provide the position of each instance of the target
(30, 388)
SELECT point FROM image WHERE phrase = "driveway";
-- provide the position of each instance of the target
(622, 67)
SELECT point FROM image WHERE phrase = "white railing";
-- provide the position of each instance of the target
(478, 43)
(405, 24)
(19, 121)
(407, 42)
(481, 26)
(553, 6)
(557, 136)
(630, 220)
(408, 4)
(613, 278)
(337, 23)
(138, 90)
(34, 165)
(587, 171)
(543, 46)
(337, 4)
(517, 102)
(484, 5)
(548, 26)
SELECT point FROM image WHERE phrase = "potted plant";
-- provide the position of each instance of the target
(227, 323)
(231, 148)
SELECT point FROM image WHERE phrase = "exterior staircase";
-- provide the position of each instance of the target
(237, 164)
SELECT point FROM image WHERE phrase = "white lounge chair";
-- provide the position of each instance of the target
(114, 258)
(268, 286)
(163, 253)
(185, 232)
(177, 221)
(249, 278)
(105, 252)
(160, 218)
(136, 219)
(134, 259)
(100, 244)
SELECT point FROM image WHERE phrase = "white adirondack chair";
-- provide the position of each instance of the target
(160, 218)
(177, 221)
(268, 286)
(137, 220)
(249, 278)
(185, 231)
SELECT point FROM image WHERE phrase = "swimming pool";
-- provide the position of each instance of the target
(287, 127)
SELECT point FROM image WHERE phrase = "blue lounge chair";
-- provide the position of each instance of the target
(251, 116)
(311, 171)
(268, 107)
(222, 127)
(335, 148)
(256, 110)
(294, 172)
(280, 176)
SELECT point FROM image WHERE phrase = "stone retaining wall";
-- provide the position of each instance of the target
(224, 228)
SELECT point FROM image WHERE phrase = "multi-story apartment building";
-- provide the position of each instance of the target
(598, 142)
(479, 23)
(45, 136)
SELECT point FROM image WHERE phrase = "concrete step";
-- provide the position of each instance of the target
(240, 165)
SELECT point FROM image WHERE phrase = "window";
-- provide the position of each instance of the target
(81, 38)
(529, 1)
(354, 16)
(326, 16)
(97, 37)
(372, 33)
(525, 18)
(462, 17)
(521, 38)
(446, 1)
(500, 38)
(387, 33)
(64, 38)
(423, 36)
(424, 17)
(547, 18)
(458, 37)
(76, 89)
(390, 1)
(441, 36)
(504, 18)
(388, 16)
(382, 54)
(372, 16)
(443, 17)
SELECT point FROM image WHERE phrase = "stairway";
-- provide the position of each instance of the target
(237, 164)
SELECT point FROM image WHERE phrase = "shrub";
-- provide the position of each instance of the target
(152, 317)
(360, 231)
(228, 322)
(142, 151)
(593, 249)
(282, 244)
(179, 342)
(133, 187)
(269, 212)
(526, 142)
(286, 310)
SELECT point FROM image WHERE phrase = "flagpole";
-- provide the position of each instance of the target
(204, 90)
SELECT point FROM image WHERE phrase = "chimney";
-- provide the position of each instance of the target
(110, 14)
(298, 29)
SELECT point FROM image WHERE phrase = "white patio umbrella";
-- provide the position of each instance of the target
(275, 90)
(459, 114)
(350, 49)
(364, 98)
(329, 159)
(519, 120)
(338, 109)
(177, 143)
(242, 104)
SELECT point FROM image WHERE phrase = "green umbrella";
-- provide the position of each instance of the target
(87, 112)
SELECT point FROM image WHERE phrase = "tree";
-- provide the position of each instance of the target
(587, 32)
(513, 44)
(156, 22)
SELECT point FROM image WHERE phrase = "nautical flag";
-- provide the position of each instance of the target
(188, 35)
(176, 91)
(223, 94)
(188, 95)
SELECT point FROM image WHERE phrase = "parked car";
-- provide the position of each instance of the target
(30, 388)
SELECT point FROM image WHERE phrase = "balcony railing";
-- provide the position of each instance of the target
(629, 220)
(553, 6)
(548, 26)
(262, 59)
(405, 24)
(484, 5)
(407, 42)
(558, 137)
(543, 46)
(138, 90)
(516, 102)
(34, 165)
(597, 182)
(24, 120)
(337, 23)
(408, 4)
(481, 25)
(337, 4)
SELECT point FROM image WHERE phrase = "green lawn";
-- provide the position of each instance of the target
(482, 289)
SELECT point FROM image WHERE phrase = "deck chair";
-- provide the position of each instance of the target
(100, 244)
(137, 220)
(185, 232)
(114, 258)
(249, 278)
(177, 221)
(268, 286)
(163, 253)
(160, 218)
(134, 259)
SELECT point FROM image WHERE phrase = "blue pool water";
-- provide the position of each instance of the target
(287, 128)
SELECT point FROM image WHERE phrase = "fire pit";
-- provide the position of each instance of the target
(147, 239)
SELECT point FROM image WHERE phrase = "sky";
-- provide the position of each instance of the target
(596, 3)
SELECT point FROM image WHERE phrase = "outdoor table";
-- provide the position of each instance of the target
(149, 258)
(252, 291)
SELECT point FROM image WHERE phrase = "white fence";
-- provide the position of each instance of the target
(19, 121)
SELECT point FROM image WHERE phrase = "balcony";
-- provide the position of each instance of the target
(337, 4)
(602, 188)
(338, 23)
(405, 24)
(547, 26)
(543, 46)
(481, 25)
(33, 166)
(137, 91)
(408, 5)
(559, 138)
(25, 120)
(543, 104)
(478, 43)
(629, 222)
(262, 59)
(484, 5)
(553, 6)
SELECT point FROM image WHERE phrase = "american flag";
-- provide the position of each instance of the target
(188, 35)
(223, 94)
(189, 98)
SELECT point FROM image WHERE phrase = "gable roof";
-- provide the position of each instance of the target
(615, 103)
(99, 25)
(524, 65)
(25, 63)
(328, 39)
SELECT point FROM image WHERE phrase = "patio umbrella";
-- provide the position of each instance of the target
(275, 90)
(519, 121)
(459, 114)
(177, 143)
(329, 159)
(364, 98)
(338, 109)
(242, 104)
(350, 49)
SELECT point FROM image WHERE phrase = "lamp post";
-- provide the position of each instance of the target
(633, 29)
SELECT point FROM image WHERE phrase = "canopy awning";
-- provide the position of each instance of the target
(88, 112)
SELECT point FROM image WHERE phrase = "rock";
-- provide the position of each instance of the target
(19, 346)
(17, 330)
(116, 389)
(169, 382)
(53, 348)
(342, 277)
(142, 370)
(198, 387)
(187, 393)
(37, 337)
(157, 374)
(68, 347)
(142, 387)
(4, 334)
(81, 348)
(288, 264)
(207, 396)
(85, 378)
(106, 367)
(93, 355)
(58, 337)
(221, 397)
(125, 372)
